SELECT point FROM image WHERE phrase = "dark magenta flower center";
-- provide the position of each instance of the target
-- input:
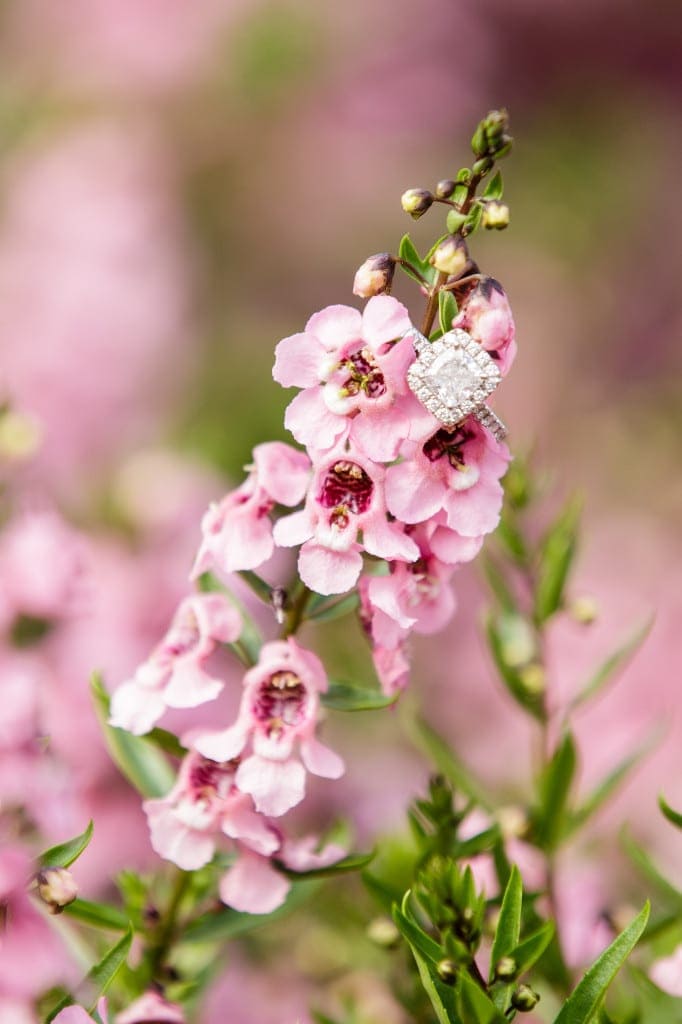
(363, 375)
(208, 778)
(280, 701)
(346, 488)
(448, 444)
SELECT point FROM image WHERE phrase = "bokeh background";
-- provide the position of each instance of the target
(183, 183)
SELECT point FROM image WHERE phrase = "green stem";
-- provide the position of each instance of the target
(296, 613)
(168, 927)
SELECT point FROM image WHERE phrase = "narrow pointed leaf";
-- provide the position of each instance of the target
(584, 1001)
(99, 915)
(499, 628)
(674, 817)
(426, 954)
(64, 854)
(98, 978)
(166, 741)
(347, 697)
(608, 671)
(258, 586)
(555, 786)
(138, 759)
(446, 761)
(474, 1005)
(606, 788)
(556, 557)
(531, 949)
(643, 862)
(447, 310)
(494, 189)
(354, 862)
(509, 922)
(329, 611)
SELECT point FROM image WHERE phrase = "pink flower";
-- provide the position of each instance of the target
(353, 376)
(42, 565)
(174, 676)
(346, 496)
(278, 713)
(237, 532)
(204, 805)
(392, 667)
(667, 973)
(151, 1008)
(486, 315)
(456, 471)
(77, 1015)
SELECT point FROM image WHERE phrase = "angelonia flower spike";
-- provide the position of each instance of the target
(394, 483)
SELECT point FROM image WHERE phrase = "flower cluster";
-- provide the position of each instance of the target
(384, 498)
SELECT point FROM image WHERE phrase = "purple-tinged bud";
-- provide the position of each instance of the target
(524, 999)
(416, 201)
(56, 888)
(451, 256)
(375, 276)
(445, 188)
(495, 215)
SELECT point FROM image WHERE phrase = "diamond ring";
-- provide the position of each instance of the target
(452, 378)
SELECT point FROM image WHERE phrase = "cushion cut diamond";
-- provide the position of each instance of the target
(454, 375)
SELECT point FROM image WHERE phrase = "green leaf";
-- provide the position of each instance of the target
(166, 741)
(494, 189)
(259, 586)
(643, 862)
(99, 915)
(454, 221)
(64, 854)
(473, 220)
(219, 925)
(446, 762)
(447, 310)
(584, 1001)
(509, 923)
(556, 557)
(531, 949)
(674, 817)
(474, 1006)
(384, 893)
(606, 788)
(348, 697)
(498, 583)
(427, 954)
(138, 759)
(612, 665)
(481, 843)
(330, 610)
(98, 978)
(554, 789)
(354, 862)
(407, 252)
(512, 645)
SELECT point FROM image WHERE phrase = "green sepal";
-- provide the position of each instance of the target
(343, 696)
(447, 310)
(138, 759)
(584, 1001)
(495, 188)
(64, 854)
(550, 816)
(557, 552)
(611, 665)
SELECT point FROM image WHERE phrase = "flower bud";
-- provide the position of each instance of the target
(506, 969)
(451, 256)
(524, 999)
(416, 201)
(479, 143)
(445, 188)
(496, 215)
(483, 165)
(584, 609)
(494, 127)
(447, 971)
(383, 932)
(20, 435)
(375, 276)
(533, 678)
(57, 888)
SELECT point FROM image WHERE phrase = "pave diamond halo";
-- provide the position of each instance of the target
(452, 378)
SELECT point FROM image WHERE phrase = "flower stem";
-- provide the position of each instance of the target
(432, 303)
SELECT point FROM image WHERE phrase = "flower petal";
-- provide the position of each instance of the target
(297, 361)
(320, 760)
(253, 886)
(276, 786)
(384, 319)
(335, 326)
(311, 422)
(326, 571)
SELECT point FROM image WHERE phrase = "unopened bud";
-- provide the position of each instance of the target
(506, 969)
(375, 276)
(483, 165)
(533, 678)
(416, 201)
(383, 932)
(445, 188)
(496, 215)
(524, 999)
(584, 609)
(479, 143)
(513, 821)
(57, 888)
(495, 125)
(447, 971)
(451, 256)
